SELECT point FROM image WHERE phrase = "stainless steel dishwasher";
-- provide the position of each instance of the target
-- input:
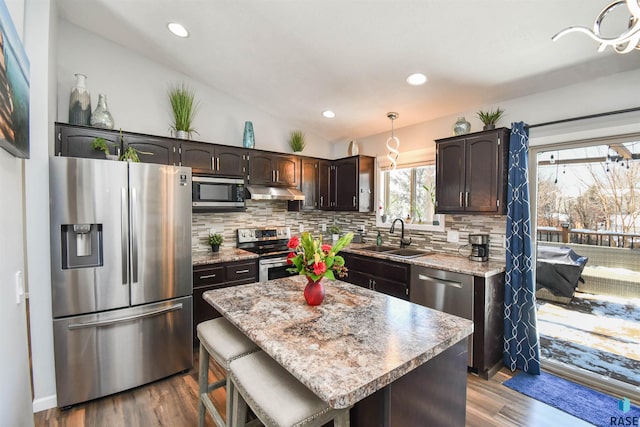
(444, 291)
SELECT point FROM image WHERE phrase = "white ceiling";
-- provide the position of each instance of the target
(296, 58)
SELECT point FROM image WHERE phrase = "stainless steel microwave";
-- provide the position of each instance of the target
(217, 194)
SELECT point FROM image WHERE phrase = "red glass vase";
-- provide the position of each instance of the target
(314, 291)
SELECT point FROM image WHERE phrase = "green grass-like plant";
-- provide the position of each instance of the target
(184, 107)
(215, 239)
(296, 140)
(100, 144)
(490, 117)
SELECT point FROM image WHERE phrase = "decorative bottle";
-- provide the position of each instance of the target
(101, 117)
(379, 239)
(80, 102)
(248, 139)
(461, 127)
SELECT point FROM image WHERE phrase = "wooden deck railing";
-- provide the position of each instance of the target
(588, 237)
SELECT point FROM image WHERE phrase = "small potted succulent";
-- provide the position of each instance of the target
(490, 118)
(335, 232)
(296, 141)
(215, 240)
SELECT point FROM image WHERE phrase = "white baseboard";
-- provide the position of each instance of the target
(44, 403)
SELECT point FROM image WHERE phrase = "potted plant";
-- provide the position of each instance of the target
(296, 141)
(101, 144)
(490, 118)
(431, 190)
(215, 240)
(335, 232)
(184, 108)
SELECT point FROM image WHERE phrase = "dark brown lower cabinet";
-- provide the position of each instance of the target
(388, 277)
(212, 276)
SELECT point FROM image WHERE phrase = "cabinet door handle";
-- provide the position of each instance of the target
(213, 163)
(273, 176)
(374, 285)
(354, 201)
(242, 271)
(460, 201)
(321, 201)
(218, 164)
(277, 176)
(207, 276)
(466, 199)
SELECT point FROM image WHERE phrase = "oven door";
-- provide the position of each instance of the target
(273, 268)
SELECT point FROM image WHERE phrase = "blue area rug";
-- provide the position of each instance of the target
(592, 406)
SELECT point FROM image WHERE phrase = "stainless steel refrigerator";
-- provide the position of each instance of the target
(121, 275)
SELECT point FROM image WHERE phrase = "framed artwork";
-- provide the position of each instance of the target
(14, 88)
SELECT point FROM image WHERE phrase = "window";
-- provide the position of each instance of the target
(409, 193)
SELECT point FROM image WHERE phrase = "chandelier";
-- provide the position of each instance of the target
(393, 143)
(625, 42)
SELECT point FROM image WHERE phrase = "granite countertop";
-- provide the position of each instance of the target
(450, 262)
(353, 344)
(225, 255)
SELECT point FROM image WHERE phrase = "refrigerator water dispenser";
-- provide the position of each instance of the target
(81, 245)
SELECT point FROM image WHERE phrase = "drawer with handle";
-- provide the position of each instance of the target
(208, 275)
(241, 271)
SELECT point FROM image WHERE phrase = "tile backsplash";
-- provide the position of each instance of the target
(264, 213)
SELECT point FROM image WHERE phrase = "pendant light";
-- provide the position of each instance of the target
(393, 143)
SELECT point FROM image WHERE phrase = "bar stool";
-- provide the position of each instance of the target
(276, 397)
(224, 342)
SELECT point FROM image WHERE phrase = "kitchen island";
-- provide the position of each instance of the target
(396, 363)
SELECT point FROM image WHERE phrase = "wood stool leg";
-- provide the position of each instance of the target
(342, 419)
(203, 380)
(230, 398)
(239, 415)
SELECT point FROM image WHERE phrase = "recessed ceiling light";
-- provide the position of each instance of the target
(178, 29)
(417, 79)
(328, 114)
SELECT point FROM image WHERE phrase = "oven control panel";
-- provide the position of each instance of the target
(246, 235)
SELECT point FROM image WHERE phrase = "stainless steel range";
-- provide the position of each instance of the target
(270, 243)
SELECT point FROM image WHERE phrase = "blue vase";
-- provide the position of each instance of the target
(248, 139)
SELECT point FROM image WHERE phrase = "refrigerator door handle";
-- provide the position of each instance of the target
(134, 236)
(123, 236)
(101, 323)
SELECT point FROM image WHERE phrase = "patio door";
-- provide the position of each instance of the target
(586, 201)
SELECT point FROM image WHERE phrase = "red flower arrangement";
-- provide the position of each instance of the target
(316, 260)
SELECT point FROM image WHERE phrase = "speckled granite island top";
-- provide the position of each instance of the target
(355, 343)
(449, 262)
(224, 255)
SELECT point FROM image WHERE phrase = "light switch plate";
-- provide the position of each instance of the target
(453, 236)
(323, 227)
(301, 228)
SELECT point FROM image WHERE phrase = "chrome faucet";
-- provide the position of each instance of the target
(403, 242)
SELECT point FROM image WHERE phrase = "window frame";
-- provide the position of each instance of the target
(382, 188)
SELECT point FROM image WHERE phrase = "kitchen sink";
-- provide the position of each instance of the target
(408, 253)
(379, 248)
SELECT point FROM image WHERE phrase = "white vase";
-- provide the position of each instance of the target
(80, 102)
(353, 148)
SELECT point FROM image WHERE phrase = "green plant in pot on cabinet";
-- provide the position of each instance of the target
(490, 118)
(215, 240)
(101, 144)
(184, 108)
(297, 141)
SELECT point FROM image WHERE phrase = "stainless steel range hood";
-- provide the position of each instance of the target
(259, 192)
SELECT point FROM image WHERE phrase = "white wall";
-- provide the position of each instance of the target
(15, 393)
(136, 90)
(40, 26)
(616, 92)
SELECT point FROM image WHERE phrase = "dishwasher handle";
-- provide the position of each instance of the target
(443, 281)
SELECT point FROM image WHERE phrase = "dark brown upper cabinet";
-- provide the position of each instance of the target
(213, 159)
(471, 175)
(153, 149)
(309, 183)
(350, 184)
(267, 168)
(75, 141)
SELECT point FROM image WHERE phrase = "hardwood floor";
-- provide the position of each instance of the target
(172, 402)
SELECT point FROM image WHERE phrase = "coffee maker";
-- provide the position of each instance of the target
(479, 247)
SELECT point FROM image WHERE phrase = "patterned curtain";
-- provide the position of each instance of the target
(521, 342)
